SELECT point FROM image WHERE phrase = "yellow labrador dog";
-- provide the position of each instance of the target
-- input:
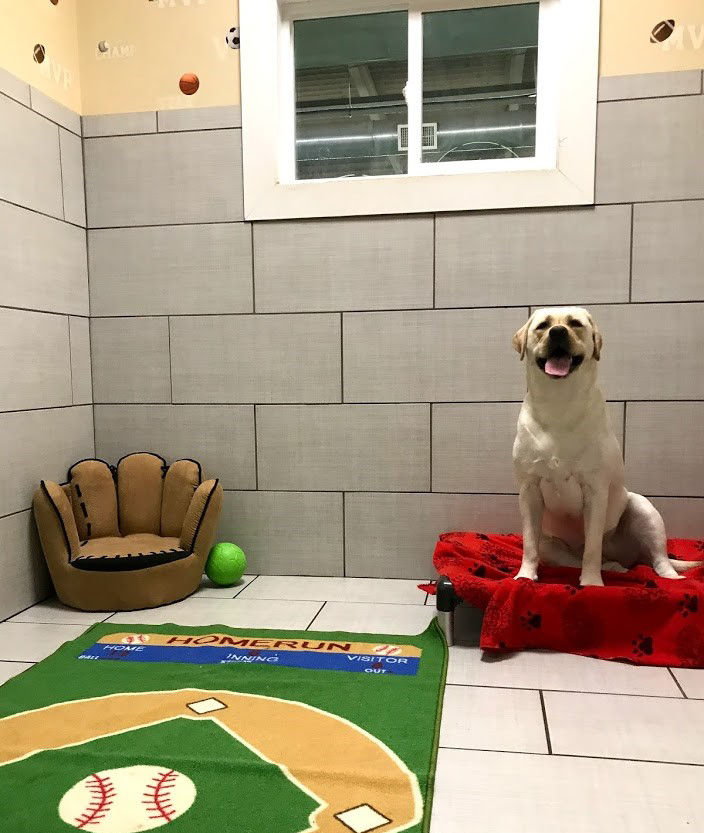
(574, 505)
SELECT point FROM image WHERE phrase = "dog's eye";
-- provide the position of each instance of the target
(573, 322)
(542, 326)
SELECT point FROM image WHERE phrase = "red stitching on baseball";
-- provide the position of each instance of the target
(159, 795)
(103, 792)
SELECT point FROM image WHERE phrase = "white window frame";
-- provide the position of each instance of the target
(561, 172)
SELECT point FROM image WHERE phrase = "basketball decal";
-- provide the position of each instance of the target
(128, 799)
(189, 83)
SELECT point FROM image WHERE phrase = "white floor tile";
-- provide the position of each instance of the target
(691, 680)
(548, 670)
(30, 642)
(493, 718)
(371, 618)
(637, 728)
(12, 669)
(53, 612)
(371, 590)
(214, 591)
(237, 613)
(502, 793)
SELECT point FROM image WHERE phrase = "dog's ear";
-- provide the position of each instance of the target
(520, 338)
(598, 340)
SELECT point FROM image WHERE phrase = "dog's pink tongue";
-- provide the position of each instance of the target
(558, 366)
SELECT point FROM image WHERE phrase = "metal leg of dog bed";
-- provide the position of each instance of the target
(446, 601)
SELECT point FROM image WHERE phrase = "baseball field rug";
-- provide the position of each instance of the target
(218, 730)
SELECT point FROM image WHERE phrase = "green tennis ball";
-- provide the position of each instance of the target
(226, 564)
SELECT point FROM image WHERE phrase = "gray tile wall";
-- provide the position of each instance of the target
(352, 381)
(46, 415)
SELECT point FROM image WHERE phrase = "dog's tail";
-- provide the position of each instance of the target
(683, 566)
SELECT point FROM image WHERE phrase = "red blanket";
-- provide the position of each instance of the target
(638, 616)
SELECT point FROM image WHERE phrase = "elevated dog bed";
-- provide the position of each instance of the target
(638, 616)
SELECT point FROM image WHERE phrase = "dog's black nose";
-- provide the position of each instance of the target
(558, 332)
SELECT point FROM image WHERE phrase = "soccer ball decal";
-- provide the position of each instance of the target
(232, 38)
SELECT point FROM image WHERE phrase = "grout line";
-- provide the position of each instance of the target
(42, 115)
(385, 311)
(677, 683)
(242, 589)
(623, 443)
(568, 690)
(316, 616)
(41, 213)
(342, 357)
(24, 610)
(43, 311)
(572, 756)
(254, 283)
(645, 97)
(70, 357)
(344, 537)
(419, 605)
(256, 451)
(435, 219)
(46, 408)
(16, 512)
(545, 722)
(61, 175)
(495, 751)
(380, 402)
(630, 263)
(156, 132)
(430, 487)
(628, 760)
(171, 365)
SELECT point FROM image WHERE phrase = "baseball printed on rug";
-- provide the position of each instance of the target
(131, 728)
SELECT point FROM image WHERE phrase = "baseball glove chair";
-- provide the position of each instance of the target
(130, 536)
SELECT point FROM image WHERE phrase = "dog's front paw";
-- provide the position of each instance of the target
(527, 572)
(591, 580)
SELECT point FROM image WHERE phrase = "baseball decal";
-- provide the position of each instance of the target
(135, 638)
(387, 650)
(127, 800)
(309, 746)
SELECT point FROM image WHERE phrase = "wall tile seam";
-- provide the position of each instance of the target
(43, 115)
(388, 311)
(46, 311)
(417, 492)
(156, 133)
(16, 512)
(42, 213)
(369, 404)
(48, 408)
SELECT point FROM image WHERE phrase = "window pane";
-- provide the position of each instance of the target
(350, 75)
(479, 83)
